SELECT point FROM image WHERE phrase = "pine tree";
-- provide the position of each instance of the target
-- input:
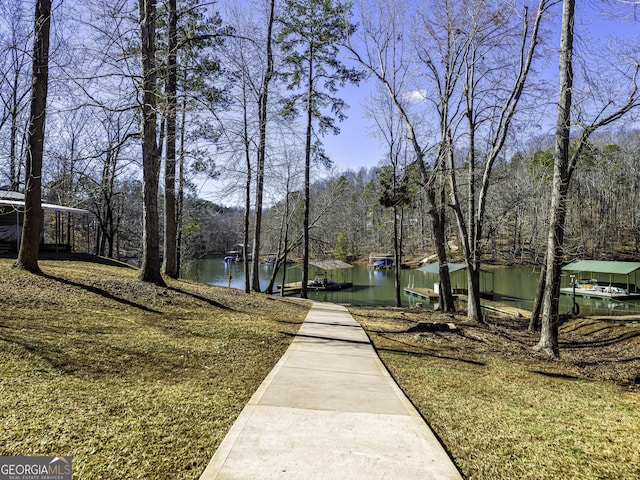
(310, 39)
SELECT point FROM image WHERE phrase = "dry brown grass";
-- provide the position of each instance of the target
(504, 412)
(130, 379)
(137, 381)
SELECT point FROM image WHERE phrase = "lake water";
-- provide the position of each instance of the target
(512, 286)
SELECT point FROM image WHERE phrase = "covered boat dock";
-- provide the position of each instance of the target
(460, 291)
(459, 279)
(323, 281)
(602, 279)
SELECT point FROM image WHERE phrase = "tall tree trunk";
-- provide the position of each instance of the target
(474, 307)
(534, 322)
(247, 201)
(181, 182)
(307, 180)
(469, 229)
(262, 147)
(170, 262)
(548, 343)
(438, 219)
(397, 252)
(32, 224)
(14, 170)
(150, 266)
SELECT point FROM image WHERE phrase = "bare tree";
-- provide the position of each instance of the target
(103, 186)
(170, 247)
(150, 265)
(14, 84)
(394, 175)
(263, 101)
(565, 163)
(487, 36)
(31, 228)
(383, 52)
(249, 57)
(286, 209)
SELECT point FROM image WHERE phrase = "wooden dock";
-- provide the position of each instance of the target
(505, 309)
(432, 296)
(425, 293)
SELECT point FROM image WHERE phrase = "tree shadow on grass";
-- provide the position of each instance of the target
(211, 302)
(605, 342)
(325, 339)
(94, 357)
(104, 293)
(413, 350)
(556, 375)
(290, 322)
(101, 292)
(430, 355)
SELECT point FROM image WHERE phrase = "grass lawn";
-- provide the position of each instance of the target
(132, 380)
(504, 412)
(138, 381)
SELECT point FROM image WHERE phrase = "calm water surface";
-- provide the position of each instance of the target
(513, 286)
(370, 287)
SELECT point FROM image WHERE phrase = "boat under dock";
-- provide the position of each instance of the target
(599, 294)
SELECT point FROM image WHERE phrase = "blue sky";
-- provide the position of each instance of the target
(354, 147)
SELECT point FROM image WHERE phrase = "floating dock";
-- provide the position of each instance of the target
(425, 293)
(295, 287)
(432, 296)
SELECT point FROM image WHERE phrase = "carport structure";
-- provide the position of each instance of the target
(58, 217)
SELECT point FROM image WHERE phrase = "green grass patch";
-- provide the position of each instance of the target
(132, 380)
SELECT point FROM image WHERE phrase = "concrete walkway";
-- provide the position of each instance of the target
(330, 410)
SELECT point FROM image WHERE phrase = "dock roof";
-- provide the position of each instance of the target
(435, 267)
(602, 266)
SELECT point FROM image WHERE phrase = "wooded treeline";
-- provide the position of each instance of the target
(603, 217)
(480, 162)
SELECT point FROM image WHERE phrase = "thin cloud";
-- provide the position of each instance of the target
(415, 96)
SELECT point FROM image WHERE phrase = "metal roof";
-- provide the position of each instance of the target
(10, 195)
(45, 206)
(330, 264)
(601, 266)
(435, 267)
